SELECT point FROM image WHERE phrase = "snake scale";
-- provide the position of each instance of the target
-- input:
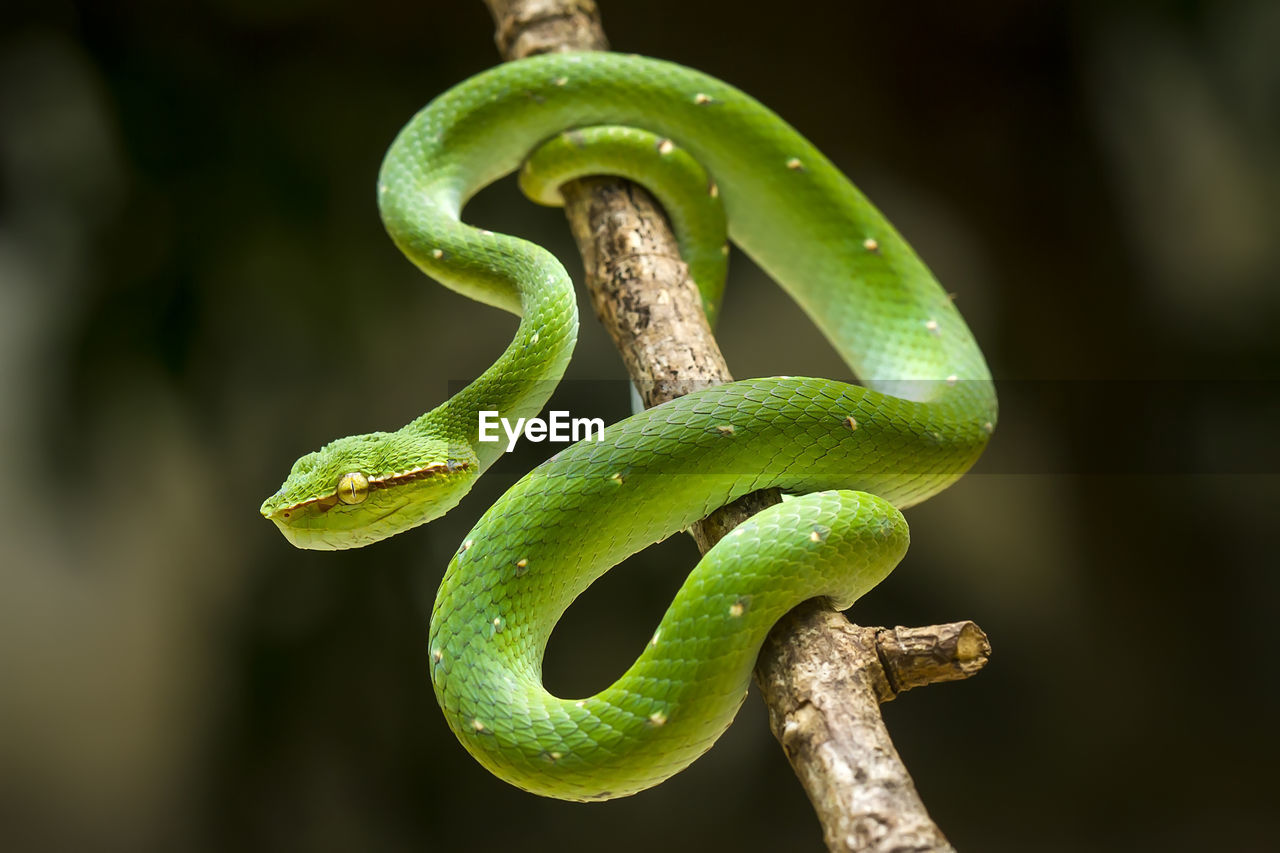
(849, 456)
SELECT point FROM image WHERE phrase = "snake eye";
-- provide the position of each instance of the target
(353, 488)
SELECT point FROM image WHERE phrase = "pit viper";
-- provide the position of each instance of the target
(848, 456)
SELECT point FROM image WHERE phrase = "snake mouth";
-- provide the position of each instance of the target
(388, 504)
(323, 503)
(306, 533)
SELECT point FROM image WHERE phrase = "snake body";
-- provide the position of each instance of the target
(851, 456)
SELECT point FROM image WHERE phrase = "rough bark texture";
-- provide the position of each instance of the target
(641, 289)
(526, 27)
(822, 678)
(823, 682)
(914, 657)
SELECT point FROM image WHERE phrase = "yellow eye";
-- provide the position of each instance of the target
(353, 488)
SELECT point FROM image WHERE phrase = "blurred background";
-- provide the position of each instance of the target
(195, 289)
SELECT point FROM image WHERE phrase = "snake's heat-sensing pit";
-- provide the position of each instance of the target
(851, 456)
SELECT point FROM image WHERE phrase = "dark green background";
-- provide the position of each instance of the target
(195, 289)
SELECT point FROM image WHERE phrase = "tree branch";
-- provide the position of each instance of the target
(822, 677)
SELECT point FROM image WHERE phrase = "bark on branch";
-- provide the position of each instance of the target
(822, 677)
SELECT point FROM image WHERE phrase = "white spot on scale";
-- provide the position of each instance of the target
(437, 253)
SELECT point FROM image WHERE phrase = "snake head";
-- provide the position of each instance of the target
(363, 488)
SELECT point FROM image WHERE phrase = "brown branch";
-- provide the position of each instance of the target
(526, 27)
(914, 657)
(822, 678)
(823, 681)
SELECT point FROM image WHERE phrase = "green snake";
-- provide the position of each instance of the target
(848, 456)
